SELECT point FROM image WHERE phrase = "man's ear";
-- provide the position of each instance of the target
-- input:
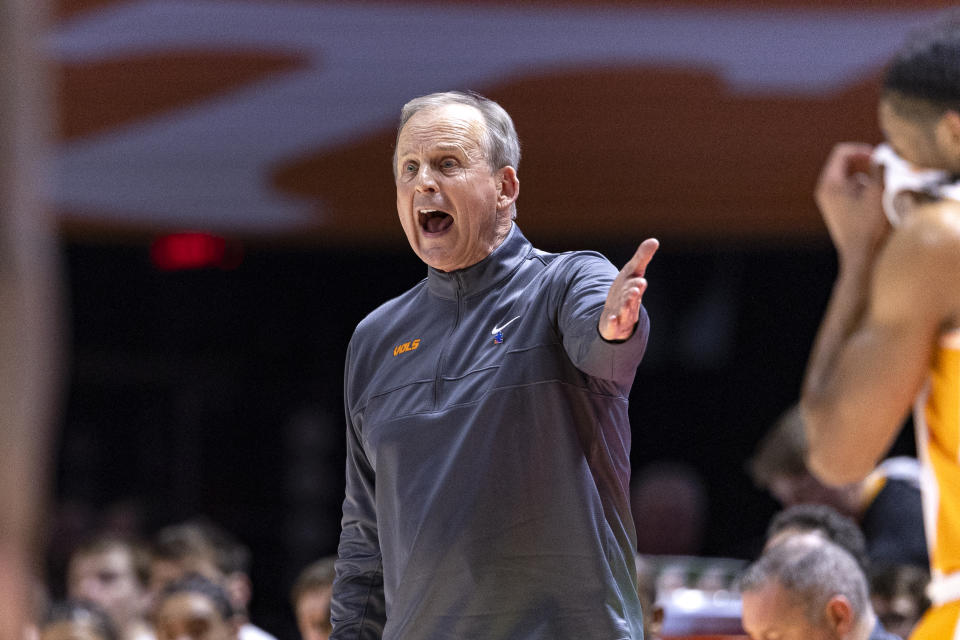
(840, 615)
(948, 132)
(508, 187)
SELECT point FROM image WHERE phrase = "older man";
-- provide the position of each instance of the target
(488, 438)
(807, 588)
(891, 334)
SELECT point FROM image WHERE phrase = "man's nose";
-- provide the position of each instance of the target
(425, 181)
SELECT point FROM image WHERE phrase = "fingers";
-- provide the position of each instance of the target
(637, 265)
(628, 311)
(634, 294)
(622, 309)
(848, 160)
(859, 161)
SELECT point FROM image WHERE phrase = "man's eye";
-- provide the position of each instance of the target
(448, 164)
(410, 167)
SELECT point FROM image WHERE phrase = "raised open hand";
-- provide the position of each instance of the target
(622, 309)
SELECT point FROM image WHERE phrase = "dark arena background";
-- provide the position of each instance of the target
(222, 179)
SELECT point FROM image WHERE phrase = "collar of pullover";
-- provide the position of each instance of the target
(503, 261)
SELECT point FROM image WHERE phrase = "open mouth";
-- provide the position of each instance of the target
(434, 220)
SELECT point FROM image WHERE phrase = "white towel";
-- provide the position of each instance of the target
(899, 176)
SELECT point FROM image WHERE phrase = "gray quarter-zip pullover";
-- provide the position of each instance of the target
(488, 458)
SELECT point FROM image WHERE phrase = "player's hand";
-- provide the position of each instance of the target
(850, 196)
(622, 309)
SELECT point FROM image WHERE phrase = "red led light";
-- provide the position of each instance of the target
(193, 250)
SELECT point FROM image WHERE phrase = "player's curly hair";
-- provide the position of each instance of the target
(927, 66)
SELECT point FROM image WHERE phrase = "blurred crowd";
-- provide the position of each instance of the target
(850, 561)
(190, 580)
(844, 562)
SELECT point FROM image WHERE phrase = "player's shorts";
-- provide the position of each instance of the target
(939, 623)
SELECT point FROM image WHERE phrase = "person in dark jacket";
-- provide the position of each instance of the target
(488, 440)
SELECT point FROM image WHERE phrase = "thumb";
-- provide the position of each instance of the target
(637, 266)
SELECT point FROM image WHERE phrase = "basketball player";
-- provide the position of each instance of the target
(891, 333)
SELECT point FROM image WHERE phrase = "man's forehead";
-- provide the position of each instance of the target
(441, 147)
(450, 127)
(763, 609)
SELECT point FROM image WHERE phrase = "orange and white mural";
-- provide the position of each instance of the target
(275, 118)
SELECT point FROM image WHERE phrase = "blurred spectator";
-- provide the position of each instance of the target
(194, 608)
(77, 620)
(896, 591)
(179, 550)
(114, 573)
(886, 505)
(823, 520)
(201, 547)
(669, 504)
(311, 599)
(73, 520)
(898, 594)
(808, 587)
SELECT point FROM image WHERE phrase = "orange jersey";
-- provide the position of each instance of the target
(937, 423)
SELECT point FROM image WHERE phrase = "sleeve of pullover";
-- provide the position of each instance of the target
(588, 279)
(358, 607)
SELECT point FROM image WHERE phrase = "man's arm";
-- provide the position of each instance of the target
(603, 324)
(358, 606)
(891, 298)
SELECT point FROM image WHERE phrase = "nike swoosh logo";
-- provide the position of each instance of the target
(497, 330)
